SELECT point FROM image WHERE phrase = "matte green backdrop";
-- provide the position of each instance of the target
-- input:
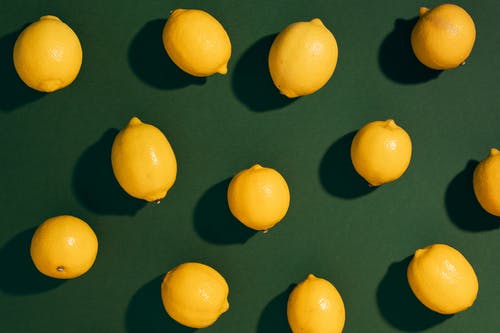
(55, 159)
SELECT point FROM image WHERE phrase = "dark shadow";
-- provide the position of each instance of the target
(252, 83)
(145, 312)
(150, 62)
(397, 60)
(94, 182)
(213, 220)
(337, 174)
(13, 92)
(399, 306)
(273, 317)
(19, 275)
(462, 206)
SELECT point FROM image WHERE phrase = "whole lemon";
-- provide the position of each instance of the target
(381, 152)
(486, 182)
(194, 294)
(258, 197)
(442, 279)
(63, 247)
(143, 161)
(47, 54)
(196, 42)
(315, 306)
(302, 58)
(443, 37)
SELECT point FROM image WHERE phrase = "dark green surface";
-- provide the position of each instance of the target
(55, 160)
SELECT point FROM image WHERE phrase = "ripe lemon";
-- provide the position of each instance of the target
(143, 161)
(47, 54)
(194, 294)
(258, 197)
(315, 306)
(486, 182)
(196, 42)
(443, 37)
(381, 152)
(442, 279)
(302, 58)
(63, 247)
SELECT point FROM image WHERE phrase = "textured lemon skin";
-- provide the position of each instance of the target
(443, 37)
(315, 306)
(194, 294)
(143, 161)
(258, 197)
(47, 55)
(197, 42)
(486, 182)
(302, 58)
(381, 152)
(442, 279)
(64, 247)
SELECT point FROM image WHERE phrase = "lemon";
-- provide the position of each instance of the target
(486, 182)
(47, 54)
(143, 161)
(381, 152)
(315, 306)
(196, 42)
(63, 247)
(258, 197)
(194, 294)
(302, 58)
(443, 37)
(442, 279)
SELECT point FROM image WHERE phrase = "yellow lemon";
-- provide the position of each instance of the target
(302, 58)
(443, 37)
(47, 54)
(315, 306)
(63, 247)
(194, 294)
(143, 161)
(381, 152)
(486, 182)
(442, 279)
(196, 42)
(258, 197)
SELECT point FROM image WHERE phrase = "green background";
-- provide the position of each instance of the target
(55, 159)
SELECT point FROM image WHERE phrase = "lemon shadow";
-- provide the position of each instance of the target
(251, 80)
(145, 312)
(94, 183)
(19, 275)
(399, 306)
(397, 60)
(274, 317)
(213, 220)
(337, 174)
(150, 62)
(13, 92)
(462, 206)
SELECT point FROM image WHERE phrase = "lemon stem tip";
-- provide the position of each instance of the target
(494, 152)
(60, 268)
(422, 11)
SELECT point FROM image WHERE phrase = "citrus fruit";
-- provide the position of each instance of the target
(196, 42)
(143, 161)
(63, 247)
(47, 54)
(442, 279)
(302, 58)
(258, 197)
(194, 294)
(315, 306)
(443, 37)
(486, 182)
(381, 152)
